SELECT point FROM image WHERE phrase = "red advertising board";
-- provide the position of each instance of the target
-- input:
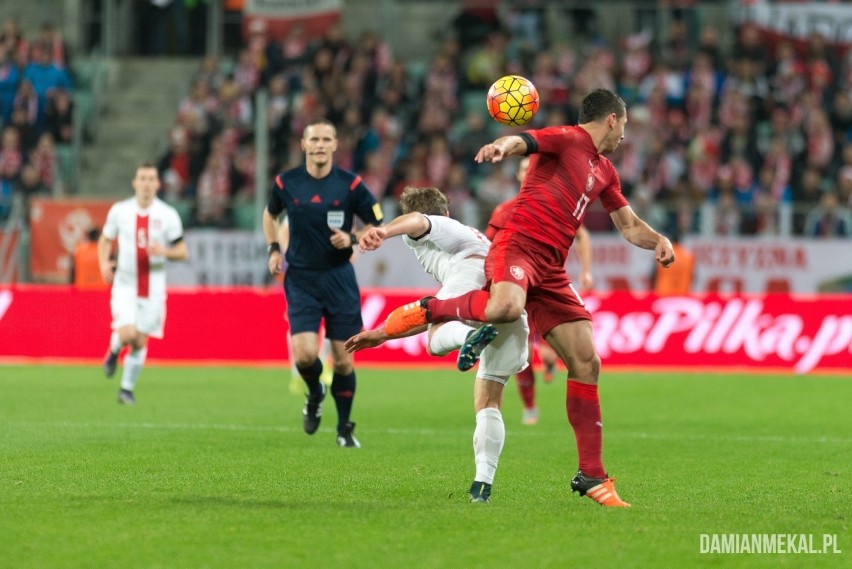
(247, 325)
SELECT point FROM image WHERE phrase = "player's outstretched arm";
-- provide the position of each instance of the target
(372, 338)
(640, 234)
(413, 224)
(512, 145)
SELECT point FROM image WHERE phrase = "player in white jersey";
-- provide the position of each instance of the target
(454, 254)
(148, 232)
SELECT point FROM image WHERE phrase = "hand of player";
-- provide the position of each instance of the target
(664, 253)
(372, 239)
(587, 281)
(339, 239)
(490, 153)
(365, 339)
(274, 262)
(156, 250)
(108, 271)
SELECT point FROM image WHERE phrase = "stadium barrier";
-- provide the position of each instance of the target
(246, 326)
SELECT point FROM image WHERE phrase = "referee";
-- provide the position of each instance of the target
(321, 201)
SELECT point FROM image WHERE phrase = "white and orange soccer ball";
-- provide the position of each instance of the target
(512, 100)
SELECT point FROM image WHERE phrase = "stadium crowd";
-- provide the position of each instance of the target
(750, 129)
(36, 110)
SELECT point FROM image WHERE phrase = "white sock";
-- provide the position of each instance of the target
(114, 342)
(132, 368)
(448, 337)
(488, 438)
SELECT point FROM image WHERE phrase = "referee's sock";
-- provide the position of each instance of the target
(311, 376)
(343, 390)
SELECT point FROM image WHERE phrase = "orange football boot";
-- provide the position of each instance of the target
(601, 490)
(408, 317)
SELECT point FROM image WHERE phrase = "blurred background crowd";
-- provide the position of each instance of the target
(744, 137)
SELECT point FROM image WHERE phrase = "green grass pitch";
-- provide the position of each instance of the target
(212, 469)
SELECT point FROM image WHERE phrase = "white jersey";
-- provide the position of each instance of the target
(454, 254)
(135, 229)
(447, 243)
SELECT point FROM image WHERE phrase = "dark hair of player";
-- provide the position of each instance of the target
(599, 104)
(428, 201)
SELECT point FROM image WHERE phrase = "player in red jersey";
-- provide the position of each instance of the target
(582, 247)
(525, 265)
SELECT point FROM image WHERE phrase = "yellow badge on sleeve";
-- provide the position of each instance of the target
(377, 211)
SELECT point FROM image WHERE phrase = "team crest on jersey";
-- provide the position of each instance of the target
(590, 183)
(517, 272)
(155, 223)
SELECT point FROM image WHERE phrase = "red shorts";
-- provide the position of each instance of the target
(539, 269)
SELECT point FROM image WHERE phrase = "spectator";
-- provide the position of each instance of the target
(45, 77)
(11, 155)
(50, 39)
(59, 117)
(807, 192)
(26, 131)
(159, 16)
(12, 41)
(30, 186)
(86, 269)
(178, 167)
(829, 218)
(43, 158)
(27, 101)
(9, 78)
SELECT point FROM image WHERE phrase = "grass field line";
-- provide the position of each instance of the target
(783, 439)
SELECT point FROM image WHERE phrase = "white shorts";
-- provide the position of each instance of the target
(507, 354)
(466, 275)
(148, 315)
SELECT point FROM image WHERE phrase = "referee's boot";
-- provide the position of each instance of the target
(346, 436)
(408, 317)
(312, 413)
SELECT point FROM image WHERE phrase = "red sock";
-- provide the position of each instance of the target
(469, 306)
(584, 414)
(526, 387)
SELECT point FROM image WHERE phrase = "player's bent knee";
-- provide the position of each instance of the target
(504, 312)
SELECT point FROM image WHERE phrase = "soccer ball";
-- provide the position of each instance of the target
(512, 100)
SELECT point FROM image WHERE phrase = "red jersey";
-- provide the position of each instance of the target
(565, 175)
(499, 217)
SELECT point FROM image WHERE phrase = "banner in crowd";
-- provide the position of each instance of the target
(221, 258)
(799, 20)
(724, 265)
(229, 258)
(277, 17)
(247, 325)
(56, 226)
